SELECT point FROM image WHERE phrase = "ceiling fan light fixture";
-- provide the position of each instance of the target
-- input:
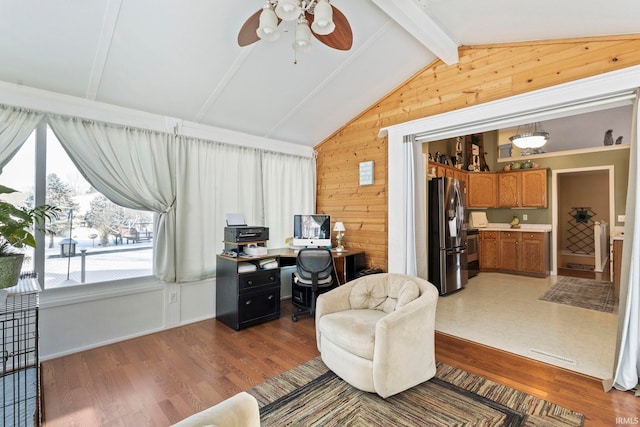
(268, 29)
(323, 18)
(532, 137)
(302, 42)
(288, 10)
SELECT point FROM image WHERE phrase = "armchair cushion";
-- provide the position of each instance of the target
(401, 293)
(368, 294)
(353, 330)
(386, 295)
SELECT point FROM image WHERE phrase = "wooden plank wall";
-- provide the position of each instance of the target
(484, 73)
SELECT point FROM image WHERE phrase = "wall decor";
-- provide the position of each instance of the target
(366, 173)
(581, 240)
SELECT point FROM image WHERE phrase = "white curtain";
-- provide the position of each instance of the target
(628, 361)
(190, 184)
(133, 168)
(288, 188)
(16, 125)
(213, 179)
(414, 199)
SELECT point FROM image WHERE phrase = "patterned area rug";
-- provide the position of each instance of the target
(311, 395)
(583, 293)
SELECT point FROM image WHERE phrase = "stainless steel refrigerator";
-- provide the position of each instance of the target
(447, 235)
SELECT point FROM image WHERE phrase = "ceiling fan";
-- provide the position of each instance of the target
(312, 17)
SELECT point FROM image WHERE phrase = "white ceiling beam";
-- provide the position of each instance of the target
(109, 21)
(224, 81)
(415, 20)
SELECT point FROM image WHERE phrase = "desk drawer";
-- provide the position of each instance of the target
(258, 278)
(258, 306)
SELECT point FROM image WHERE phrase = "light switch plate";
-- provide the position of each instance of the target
(621, 218)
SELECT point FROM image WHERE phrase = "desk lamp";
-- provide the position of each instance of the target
(339, 227)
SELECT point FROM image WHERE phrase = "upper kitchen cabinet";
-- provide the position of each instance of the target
(438, 170)
(509, 189)
(534, 188)
(481, 190)
(522, 189)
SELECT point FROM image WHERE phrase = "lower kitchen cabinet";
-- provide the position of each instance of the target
(509, 245)
(617, 266)
(516, 252)
(488, 254)
(534, 253)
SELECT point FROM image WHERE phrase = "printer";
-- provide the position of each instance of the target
(244, 233)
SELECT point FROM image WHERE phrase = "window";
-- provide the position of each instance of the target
(93, 240)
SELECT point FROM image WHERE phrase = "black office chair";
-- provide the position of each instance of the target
(315, 270)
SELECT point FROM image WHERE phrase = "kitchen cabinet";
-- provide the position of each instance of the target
(481, 190)
(617, 266)
(488, 250)
(534, 254)
(508, 249)
(439, 170)
(534, 188)
(526, 188)
(461, 176)
(509, 184)
(514, 251)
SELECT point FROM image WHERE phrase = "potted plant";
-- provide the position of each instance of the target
(16, 225)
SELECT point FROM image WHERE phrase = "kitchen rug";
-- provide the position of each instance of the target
(583, 293)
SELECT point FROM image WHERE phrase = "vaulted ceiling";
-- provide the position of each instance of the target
(180, 58)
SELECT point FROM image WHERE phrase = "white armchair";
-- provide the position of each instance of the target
(377, 332)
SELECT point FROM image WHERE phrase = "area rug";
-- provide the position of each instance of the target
(312, 395)
(583, 293)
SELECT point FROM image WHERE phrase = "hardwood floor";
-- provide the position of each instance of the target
(164, 377)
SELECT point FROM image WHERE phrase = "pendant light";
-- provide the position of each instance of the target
(531, 137)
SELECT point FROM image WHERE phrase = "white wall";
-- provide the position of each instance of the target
(87, 316)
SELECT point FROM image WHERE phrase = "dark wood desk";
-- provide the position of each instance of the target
(245, 298)
(348, 262)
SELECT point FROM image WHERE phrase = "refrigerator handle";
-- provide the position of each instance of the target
(460, 210)
(456, 250)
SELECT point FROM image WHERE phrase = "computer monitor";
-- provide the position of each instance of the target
(312, 230)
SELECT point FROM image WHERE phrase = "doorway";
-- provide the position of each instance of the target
(583, 204)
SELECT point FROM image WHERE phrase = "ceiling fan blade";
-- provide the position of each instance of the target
(341, 38)
(247, 34)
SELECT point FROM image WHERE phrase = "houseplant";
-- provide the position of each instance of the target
(16, 225)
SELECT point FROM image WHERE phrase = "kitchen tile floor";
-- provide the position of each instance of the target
(503, 311)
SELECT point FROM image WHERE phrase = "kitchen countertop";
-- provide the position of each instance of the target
(497, 226)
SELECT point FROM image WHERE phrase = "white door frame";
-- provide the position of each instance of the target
(554, 210)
